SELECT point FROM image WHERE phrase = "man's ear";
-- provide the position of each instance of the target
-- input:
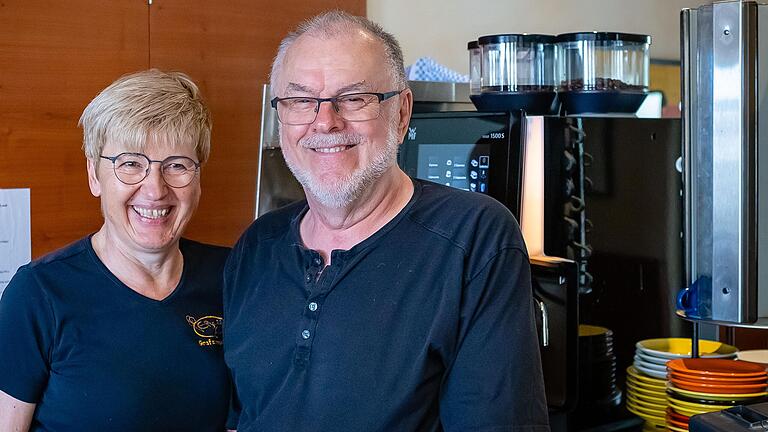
(406, 107)
(93, 179)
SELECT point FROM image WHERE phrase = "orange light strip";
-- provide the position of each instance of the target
(532, 213)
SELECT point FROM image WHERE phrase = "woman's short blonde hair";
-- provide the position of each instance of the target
(166, 107)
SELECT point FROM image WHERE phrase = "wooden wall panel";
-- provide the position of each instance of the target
(54, 58)
(227, 48)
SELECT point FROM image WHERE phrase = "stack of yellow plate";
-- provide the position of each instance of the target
(650, 427)
(647, 377)
(646, 397)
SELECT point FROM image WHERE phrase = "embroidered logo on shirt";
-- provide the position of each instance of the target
(208, 328)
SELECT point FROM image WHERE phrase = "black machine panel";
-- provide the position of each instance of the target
(555, 286)
(478, 152)
(634, 208)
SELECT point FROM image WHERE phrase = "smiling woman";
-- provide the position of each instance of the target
(102, 332)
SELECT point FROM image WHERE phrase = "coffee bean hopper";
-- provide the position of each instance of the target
(517, 73)
(602, 72)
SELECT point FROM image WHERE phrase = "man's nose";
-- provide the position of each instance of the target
(327, 120)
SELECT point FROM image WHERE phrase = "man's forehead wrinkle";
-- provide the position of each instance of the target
(356, 86)
(360, 85)
(292, 86)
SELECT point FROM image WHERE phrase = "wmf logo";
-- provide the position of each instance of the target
(411, 133)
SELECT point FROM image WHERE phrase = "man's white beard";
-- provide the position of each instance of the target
(343, 191)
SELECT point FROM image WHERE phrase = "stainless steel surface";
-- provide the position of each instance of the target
(761, 323)
(277, 187)
(270, 127)
(723, 121)
(698, 71)
(688, 45)
(728, 164)
(544, 322)
(429, 91)
(270, 139)
(431, 96)
(761, 116)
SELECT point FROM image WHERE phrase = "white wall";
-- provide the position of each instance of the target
(441, 29)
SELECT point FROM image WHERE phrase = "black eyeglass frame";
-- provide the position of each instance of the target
(381, 96)
(113, 159)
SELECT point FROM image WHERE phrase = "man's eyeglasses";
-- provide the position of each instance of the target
(132, 168)
(351, 107)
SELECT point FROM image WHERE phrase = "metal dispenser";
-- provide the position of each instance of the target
(725, 154)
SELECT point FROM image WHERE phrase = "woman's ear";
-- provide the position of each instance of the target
(93, 179)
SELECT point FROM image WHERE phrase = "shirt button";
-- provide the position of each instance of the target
(312, 306)
(308, 278)
(318, 261)
(305, 334)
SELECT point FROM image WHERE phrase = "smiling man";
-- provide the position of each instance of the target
(382, 302)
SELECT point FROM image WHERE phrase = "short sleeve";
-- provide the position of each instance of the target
(495, 382)
(26, 333)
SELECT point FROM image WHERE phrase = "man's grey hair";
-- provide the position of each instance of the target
(152, 104)
(334, 23)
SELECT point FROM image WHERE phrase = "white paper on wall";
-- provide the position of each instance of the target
(15, 233)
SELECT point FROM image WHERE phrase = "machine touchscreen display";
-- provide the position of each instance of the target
(463, 166)
(473, 151)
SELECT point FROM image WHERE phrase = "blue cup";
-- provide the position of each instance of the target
(688, 300)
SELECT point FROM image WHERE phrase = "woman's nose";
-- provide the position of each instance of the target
(154, 185)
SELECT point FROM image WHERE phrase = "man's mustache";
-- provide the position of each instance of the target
(331, 140)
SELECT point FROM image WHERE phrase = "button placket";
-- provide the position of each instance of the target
(319, 281)
(306, 332)
(310, 317)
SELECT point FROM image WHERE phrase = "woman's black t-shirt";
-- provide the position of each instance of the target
(95, 355)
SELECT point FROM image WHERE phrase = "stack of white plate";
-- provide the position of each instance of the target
(652, 355)
(754, 356)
